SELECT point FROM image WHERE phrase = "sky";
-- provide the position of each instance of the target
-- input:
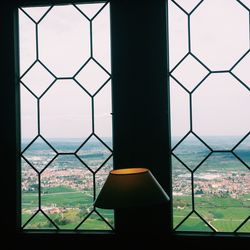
(219, 37)
(64, 46)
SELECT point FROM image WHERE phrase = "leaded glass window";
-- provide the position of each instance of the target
(66, 124)
(210, 117)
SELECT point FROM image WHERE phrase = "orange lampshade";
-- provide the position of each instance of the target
(130, 187)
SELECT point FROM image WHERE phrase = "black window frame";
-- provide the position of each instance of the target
(141, 118)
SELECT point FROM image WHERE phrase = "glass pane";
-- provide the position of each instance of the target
(245, 228)
(241, 70)
(66, 114)
(39, 154)
(94, 222)
(184, 73)
(67, 191)
(194, 224)
(102, 174)
(37, 79)
(94, 153)
(219, 33)
(182, 191)
(90, 10)
(92, 77)
(36, 13)
(28, 117)
(64, 44)
(242, 150)
(108, 215)
(103, 116)
(40, 221)
(191, 151)
(189, 5)
(179, 111)
(27, 42)
(218, 110)
(29, 191)
(246, 3)
(101, 40)
(222, 185)
(178, 34)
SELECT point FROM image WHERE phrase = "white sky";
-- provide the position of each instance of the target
(64, 46)
(220, 36)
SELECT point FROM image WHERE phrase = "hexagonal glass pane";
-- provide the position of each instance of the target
(219, 33)
(184, 73)
(182, 191)
(28, 117)
(27, 42)
(40, 221)
(224, 187)
(39, 154)
(180, 114)
(243, 150)
(29, 191)
(92, 77)
(102, 114)
(36, 13)
(90, 10)
(219, 110)
(37, 79)
(64, 43)
(66, 191)
(94, 153)
(178, 34)
(241, 70)
(101, 38)
(188, 6)
(194, 223)
(191, 151)
(65, 115)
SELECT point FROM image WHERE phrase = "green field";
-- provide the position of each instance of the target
(70, 209)
(223, 214)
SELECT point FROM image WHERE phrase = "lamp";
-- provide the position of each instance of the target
(130, 187)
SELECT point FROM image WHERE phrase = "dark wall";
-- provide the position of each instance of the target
(125, 242)
(141, 138)
(140, 103)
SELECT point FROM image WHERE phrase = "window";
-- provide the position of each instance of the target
(66, 127)
(140, 113)
(209, 88)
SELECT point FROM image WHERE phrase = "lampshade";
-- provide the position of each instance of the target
(130, 187)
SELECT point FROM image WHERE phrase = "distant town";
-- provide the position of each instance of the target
(232, 183)
(67, 182)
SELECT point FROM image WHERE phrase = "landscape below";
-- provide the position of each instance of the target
(70, 182)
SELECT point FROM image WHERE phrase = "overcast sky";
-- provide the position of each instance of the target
(219, 37)
(63, 47)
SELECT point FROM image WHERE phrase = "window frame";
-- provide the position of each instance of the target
(92, 133)
(129, 116)
(191, 130)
